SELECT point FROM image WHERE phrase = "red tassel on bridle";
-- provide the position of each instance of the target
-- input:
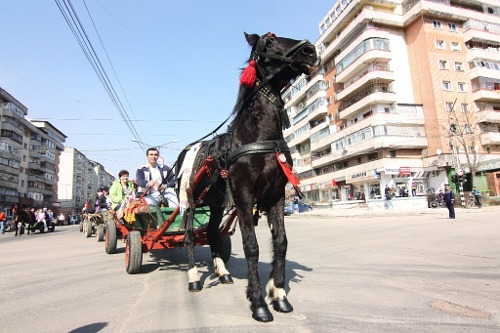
(249, 75)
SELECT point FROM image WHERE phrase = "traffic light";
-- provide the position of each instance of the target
(463, 179)
(454, 178)
(453, 128)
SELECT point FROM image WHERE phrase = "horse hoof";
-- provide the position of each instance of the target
(226, 279)
(282, 305)
(194, 286)
(262, 314)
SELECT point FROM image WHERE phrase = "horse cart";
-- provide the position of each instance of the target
(162, 228)
(95, 223)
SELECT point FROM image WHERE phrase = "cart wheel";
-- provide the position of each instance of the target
(81, 226)
(110, 239)
(88, 229)
(434, 204)
(226, 248)
(100, 232)
(133, 252)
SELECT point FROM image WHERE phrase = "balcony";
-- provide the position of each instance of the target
(300, 92)
(480, 53)
(443, 9)
(481, 31)
(370, 99)
(34, 166)
(486, 95)
(343, 32)
(490, 138)
(381, 56)
(371, 145)
(488, 116)
(379, 74)
(484, 72)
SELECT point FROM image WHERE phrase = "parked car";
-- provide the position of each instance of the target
(288, 209)
(291, 208)
(304, 207)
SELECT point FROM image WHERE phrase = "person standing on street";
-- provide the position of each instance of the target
(449, 199)
(3, 219)
(477, 197)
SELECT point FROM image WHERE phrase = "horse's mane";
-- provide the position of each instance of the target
(239, 110)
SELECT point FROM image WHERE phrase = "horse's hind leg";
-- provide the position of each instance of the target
(215, 242)
(276, 285)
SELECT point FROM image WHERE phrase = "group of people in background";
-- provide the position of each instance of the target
(25, 219)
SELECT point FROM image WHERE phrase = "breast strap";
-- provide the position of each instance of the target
(257, 148)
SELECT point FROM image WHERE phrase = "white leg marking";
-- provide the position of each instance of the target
(220, 267)
(193, 275)
(274, 293)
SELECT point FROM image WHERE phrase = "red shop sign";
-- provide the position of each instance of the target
(404, 171)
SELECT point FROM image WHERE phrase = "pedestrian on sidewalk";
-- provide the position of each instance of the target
(388, 198)
(3, 219)
(449, 199)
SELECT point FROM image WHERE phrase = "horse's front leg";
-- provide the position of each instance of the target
(276, 286)
(260, 310)
(215, 241)
(193, 277)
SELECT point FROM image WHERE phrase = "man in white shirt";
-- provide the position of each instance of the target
(154, 179)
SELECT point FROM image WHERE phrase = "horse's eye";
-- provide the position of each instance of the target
(270, 41)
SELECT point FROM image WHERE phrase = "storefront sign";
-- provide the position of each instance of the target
(359, 176)
(391, 171)
(404, 171)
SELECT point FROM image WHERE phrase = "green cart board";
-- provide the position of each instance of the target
(159, 215)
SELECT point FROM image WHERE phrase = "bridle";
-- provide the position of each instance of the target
(262, 85)
(287, 60)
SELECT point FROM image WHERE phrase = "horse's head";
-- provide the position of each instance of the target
(280, 57)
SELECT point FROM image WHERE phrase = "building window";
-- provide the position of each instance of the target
(449, 106)
(459, 66)
(464, 107)
(440, 44)
(455, 46)
(452, 27)
(436, 24)
(446, 85)
(462, 87)
(443, 64)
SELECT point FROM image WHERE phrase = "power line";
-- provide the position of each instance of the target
(78, 30)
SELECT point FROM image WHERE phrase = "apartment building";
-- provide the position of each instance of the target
(79, 179)
(29, 157)
(407, 95)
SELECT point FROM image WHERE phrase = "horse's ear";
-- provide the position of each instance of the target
(252, 39)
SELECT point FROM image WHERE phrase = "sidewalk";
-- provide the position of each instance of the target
(366, 212)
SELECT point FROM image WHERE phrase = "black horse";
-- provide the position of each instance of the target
(249, 167)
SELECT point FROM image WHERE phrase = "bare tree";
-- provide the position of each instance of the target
(465, 128)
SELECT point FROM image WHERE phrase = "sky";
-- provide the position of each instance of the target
(174, 66)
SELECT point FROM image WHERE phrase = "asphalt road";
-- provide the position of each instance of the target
(358, 271)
